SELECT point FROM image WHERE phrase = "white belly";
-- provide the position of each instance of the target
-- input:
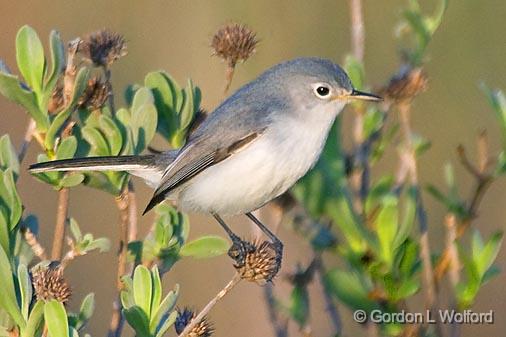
(257, 174)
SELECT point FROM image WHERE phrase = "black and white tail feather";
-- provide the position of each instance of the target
(148, 167)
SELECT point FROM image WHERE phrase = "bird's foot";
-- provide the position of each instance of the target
(240, 250)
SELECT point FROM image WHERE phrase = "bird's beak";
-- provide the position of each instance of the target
(355, 94)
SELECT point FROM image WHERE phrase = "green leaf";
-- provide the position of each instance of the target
(9, 198)
(171, 319)
(86, 310)
(75, 230)
(189, 107)
(25, 289)
(72, 180)
(11, 88)
(350, 288)
(144, 119)
(67, 148)
(99, 146)
(8, 300)
(206, 246)
(157, 290)
(55, 317)
(355, 70)
(102, 244)
(408, 216)
(489, 253)
(143, 288)
(30, 57)
(138, 320)
(112, 133)
(57, 61)
(4, 233)
(34, 320)
(299, 305)
(386, 228)
(8, 157)
(164, 90)
(497, 101)
(167, 305)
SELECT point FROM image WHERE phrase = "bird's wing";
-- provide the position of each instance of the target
(195, 158)
(237, 122)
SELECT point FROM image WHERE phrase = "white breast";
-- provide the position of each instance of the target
(266, 168)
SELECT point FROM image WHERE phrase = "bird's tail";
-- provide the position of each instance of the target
(148, 167)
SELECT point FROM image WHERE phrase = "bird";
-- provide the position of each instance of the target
(251, 149)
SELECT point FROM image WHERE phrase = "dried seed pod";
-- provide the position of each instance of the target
(49, 284)
(95, 95)
(56, 101)
(261, 264)
(103, 47)
(406, 85)
(233, 43)
(204, 328)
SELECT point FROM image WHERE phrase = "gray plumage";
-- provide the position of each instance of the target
(282, 97)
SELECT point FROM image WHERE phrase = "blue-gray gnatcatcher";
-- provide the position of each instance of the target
(251, 149)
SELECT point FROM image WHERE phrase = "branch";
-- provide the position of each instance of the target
(132, 213)
(122, 203)
(280, 324)
(34, 244)
(357, 29)
(330, 307)
(61, 222)
(230, 285)
(409, 158)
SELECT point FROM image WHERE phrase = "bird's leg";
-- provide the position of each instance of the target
(277, 244)
(239, 248)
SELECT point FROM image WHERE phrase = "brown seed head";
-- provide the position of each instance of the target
(406, 85)
(56, 101)
(203, 329)
(49, 284)
(95, 95)
(260, 264)
(233, 43)
(103, 47)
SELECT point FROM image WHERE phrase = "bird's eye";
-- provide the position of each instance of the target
(322, 90)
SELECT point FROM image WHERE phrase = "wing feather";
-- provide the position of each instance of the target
(190, 163)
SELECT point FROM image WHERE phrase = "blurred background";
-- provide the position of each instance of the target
(469, 47)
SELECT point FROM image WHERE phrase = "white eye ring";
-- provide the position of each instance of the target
(322, 90)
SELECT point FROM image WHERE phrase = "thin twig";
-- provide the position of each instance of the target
(27, 139)
(63, 194)
(34, 244)
(122, 204)
(483, 181)
(357, 29)
(117, 320)
(230, 285)
(132, 213)
(454, 274)
(229, 75)
(279, 324)
(61, 223)
(360, 175)
(330, 306)
(409, 156)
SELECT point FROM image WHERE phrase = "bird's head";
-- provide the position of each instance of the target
(313, 85)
